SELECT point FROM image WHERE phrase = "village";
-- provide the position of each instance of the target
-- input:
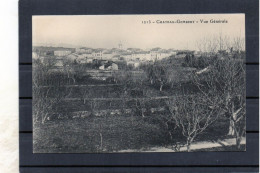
(133, 56)
(108, 58)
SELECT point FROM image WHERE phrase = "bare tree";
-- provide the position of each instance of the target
(46, 97)
(192, 115)
(224, 85)
(140, 106)
(223, 42)
(224, 82)
(207, 45)
(238, 44)
(177, 76)
(94, 106)
(41, 104)
(68, 69)
(210, 45)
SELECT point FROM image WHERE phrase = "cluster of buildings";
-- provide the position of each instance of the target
(117, 54)
(132, 56)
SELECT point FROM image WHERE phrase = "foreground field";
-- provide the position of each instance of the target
(110, 134)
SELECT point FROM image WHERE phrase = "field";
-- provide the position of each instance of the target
(114, 124)
(110, 134)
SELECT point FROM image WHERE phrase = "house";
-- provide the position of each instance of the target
(62, 52)
(132, 50)
(113, 66)
(107, 55)
(82, 58)
(159, 54)
(102, 67)
(162, 54)
(126, 56)
(154, 53)
(109, 66)
(115, 58)
(83, 50)
(172, 52)
(98, 53)
(73, 56)
(116, 51)
(133, 63)
(142, 56)
(136, 64)
(103, 62)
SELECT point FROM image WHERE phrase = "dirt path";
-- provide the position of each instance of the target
(194, 146)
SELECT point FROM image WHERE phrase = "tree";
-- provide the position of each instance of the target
(68, 69)
(210, 45)
(192, 115)
(157, 75)
(41, 104)
(222, 41)
(224, 84)
(224, 81)
(140, 106)
(46, 97)
(49, 62)
(207, 45)
(238, 44)
(42, 69)
(121, 76)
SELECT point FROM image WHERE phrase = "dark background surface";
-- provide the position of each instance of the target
(138, 162)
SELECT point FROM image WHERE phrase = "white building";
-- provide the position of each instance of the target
(133, 63)
(97, 54)
(73, 56)
(127, 56)
(84, 50)
(62, 52)
(82, 58)
(142, 56)
(115, 58)
(107, 55)
(172, 52)
(101, 67)
(161, 54)
(113, 67)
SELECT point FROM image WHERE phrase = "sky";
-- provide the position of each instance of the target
(107, 31)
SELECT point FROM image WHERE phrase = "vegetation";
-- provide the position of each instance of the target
(169, 102)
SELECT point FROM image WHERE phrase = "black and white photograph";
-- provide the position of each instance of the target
(138, 83)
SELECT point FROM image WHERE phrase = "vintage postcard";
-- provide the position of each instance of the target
(138, 83)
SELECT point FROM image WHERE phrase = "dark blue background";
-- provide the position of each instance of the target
(138, 162)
